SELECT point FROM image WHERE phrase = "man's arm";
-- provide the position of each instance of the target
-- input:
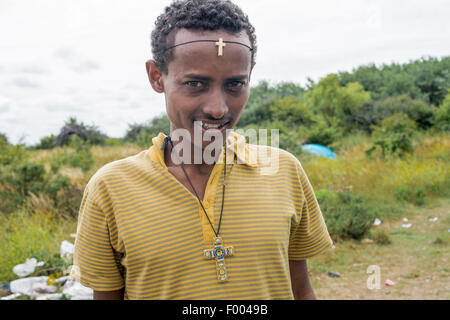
(109, 295)
(301, 287)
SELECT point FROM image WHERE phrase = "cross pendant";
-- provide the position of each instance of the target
(218, 253)
(220, 45)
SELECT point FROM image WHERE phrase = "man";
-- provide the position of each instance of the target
(168, 224)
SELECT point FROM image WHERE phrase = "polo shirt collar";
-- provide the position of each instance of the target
(235, 142)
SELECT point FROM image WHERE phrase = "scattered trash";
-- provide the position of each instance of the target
(27, 268)
(11, 296)
(25, 285)
(66, 250)
(389, 283)
(406, 225)
(405, 219)
(73, 235)
(51, 296)
(433, 219)
(334, 274)
(43, 288)
(77, 291)
(334, 247)
(377, 222)
(367, 241)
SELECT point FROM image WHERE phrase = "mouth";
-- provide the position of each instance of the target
(208, 125)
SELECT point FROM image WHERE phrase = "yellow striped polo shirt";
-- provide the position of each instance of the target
(141, 229)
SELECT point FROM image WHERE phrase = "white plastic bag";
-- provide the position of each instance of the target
(25, 285)
(24, 269)
(77, 291)
(66, 250)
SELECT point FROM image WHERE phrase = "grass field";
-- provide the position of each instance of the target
(416, 260)
(415, 187)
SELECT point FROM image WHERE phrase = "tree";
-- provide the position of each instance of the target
(336, 103)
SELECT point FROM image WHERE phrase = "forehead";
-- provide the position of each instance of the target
(202, 57)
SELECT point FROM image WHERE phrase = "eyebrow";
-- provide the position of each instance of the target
(203, 78)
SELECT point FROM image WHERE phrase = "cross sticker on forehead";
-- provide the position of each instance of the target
(220, 45)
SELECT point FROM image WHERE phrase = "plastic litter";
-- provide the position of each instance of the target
(406, 225)
(51, 296)
(389, 283)
(43, 288)
(27, 268)
(25, 285)
(11, 296)
(433, 219)
(405, 219)
(377, 222)
(334, 274)
(66, 250)
(77, 291)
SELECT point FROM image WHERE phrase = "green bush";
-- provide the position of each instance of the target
(142, 134)
(291, 111)
(381, 238)
(411, 193)
(323, 134)
(334, 102)
(48, 142)
(88, 133)
(347, 215)
(442, 117)
(77, 156)
(416, 110)
(394, 136)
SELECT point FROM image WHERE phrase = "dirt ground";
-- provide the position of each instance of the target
(416, 261)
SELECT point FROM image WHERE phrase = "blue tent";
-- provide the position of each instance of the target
(319, 150)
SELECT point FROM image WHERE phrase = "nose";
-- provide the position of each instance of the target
(216, 106)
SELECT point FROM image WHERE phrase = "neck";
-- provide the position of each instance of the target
(202, 168)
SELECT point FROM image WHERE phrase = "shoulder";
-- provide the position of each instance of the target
(274, 157)
(118, 169)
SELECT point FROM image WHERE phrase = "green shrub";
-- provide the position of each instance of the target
(3, 138)
(291, 111)
(322, 133)
(24, 235)
(381, 238)
(88, 133)
(347, 215)
(394, 136)
(78, 156)
(411, 193)
(442, 117)
(416, 110)
(10, 154)
(142, 134)
(47, 142)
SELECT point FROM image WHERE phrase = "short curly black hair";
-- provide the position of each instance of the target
(198, 15)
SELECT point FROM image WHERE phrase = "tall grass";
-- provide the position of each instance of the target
(390, 182)
(25, 235)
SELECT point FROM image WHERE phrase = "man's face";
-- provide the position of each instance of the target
(202, 86)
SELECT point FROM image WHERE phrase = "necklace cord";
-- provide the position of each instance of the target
(195, 191)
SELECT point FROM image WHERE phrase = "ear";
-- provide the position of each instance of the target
(154, 76)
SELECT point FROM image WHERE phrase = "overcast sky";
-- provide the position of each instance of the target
(86, 58)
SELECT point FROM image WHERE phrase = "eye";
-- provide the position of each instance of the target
(194, 84)
(236, 85)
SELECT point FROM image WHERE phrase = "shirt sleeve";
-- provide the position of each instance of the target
(96, 262)
(309, 234)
